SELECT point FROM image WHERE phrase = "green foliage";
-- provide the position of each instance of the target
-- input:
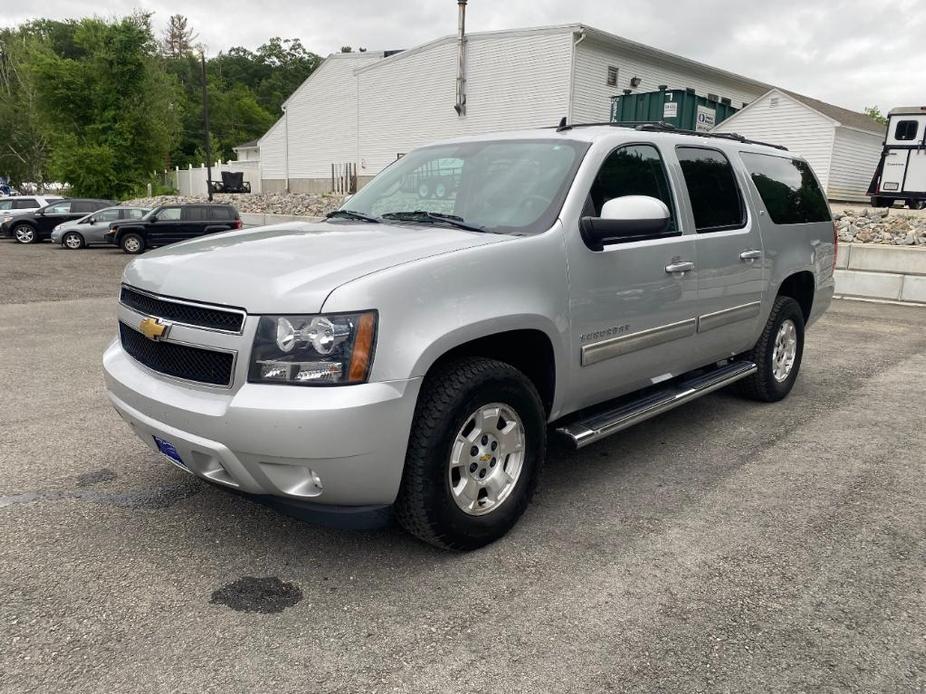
(875, 114)
(101, 104)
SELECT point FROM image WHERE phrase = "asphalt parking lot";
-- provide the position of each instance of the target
(727, 546)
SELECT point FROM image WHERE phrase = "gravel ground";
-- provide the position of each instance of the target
(303, 204)
(726, 546)
(874, 225)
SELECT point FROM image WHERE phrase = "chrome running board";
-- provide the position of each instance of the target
(601, 423)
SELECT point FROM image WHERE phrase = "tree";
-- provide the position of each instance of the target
(178, 38)
(111, 109)
(875, 114)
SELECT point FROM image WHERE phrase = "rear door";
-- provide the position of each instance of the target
(730, 275)
(195, 218)
(633, 305)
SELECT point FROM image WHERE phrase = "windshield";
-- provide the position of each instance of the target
(504, 186)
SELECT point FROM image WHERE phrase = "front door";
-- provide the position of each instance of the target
(633, 305)
(167, 228)
(53, 215)
(730, 273)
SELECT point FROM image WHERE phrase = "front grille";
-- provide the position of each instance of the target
(179, 361)
(179, 312)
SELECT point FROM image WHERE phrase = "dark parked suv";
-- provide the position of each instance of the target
(35, 226)
(172, 223)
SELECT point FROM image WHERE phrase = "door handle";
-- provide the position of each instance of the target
(750, 255)
(680, 266)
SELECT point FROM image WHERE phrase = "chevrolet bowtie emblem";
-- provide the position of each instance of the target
(153, 329)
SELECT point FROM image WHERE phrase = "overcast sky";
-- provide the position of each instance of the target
(852, 53)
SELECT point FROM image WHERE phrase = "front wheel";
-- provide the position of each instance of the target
(132, 243)
(476, 448)
(73, 240)
(777, 354)
(25, 233)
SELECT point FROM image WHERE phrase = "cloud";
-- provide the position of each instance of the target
(849, 52)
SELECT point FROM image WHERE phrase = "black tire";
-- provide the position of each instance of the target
(425, 506)
(763, 385)
(132, 243)
(25, 233)
(78, 241)
(879, 202)
(916, 204)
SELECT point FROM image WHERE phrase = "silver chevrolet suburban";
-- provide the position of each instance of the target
(409, 355)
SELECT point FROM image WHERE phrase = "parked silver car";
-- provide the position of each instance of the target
(15, 205)
(410, 352)
(90, 230)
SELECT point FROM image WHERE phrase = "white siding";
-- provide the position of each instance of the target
(273, 152)
(513, 82)
(802, 130)
(323, 117)
(592, 96)
(855, 158)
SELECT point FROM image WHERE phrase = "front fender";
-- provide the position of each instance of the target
(430, 306)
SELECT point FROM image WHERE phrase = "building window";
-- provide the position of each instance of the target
(713, 97)
(906, 130)
(612, 76)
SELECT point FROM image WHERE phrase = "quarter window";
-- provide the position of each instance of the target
(631, 170)
(788, 189)
(715, 198)
(220, 212)
(905, 130)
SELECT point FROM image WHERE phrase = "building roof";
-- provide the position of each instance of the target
(245, 145)
(850, 119)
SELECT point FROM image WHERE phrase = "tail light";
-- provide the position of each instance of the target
(239, 224)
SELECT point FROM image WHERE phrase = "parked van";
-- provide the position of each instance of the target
(901, 173)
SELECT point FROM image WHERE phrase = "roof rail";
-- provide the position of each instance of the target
(662, 126)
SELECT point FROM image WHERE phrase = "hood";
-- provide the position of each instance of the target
(289, 268)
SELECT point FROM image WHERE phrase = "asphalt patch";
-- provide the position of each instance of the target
(96, 477)
(266, 595)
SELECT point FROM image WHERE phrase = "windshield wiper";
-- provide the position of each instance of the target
(350, 214)
(433, 218)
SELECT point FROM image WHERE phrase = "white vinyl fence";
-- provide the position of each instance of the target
(190, 181)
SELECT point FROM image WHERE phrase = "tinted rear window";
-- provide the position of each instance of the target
(715, 198)
(788, 189)
(194, 214)
(79, 206)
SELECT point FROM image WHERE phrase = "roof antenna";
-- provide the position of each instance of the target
(562, 125)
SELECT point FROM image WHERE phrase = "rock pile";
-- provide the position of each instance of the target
(301, 204)
(876, 225)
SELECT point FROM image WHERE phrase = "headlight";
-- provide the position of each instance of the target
(333, 349)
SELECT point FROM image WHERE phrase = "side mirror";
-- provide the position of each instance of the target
(153, 218)
(89, 220)
(625, 219)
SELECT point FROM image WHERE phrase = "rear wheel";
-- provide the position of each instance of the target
(475, 452)
(132, 243)
(777, 354)
(916, 204)
(73, 240)
(25, 233)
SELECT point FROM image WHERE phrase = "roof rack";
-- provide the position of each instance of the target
(662, 126)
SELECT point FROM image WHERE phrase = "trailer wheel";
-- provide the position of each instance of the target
(879, 202)
(916, 204)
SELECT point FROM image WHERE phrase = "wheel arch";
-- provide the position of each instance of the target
(801, 287)
(528, 348)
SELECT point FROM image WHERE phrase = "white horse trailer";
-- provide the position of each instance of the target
(901, 173)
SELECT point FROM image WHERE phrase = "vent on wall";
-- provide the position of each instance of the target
(612, 76)
(773, 102)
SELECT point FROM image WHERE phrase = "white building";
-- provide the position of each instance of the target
(842, 146)
(366, 109)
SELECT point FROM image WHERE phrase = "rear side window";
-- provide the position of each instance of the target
(715, 198)
(219, 212)
(194, 214)
(133, 213)
(27, 204)
(79, 206)
(107, 215)
(6, 204)
(788, 189)
(905, 130)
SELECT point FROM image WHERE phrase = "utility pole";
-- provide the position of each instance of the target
(202, 56)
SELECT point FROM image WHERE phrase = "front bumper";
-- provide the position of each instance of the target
(340, 446)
